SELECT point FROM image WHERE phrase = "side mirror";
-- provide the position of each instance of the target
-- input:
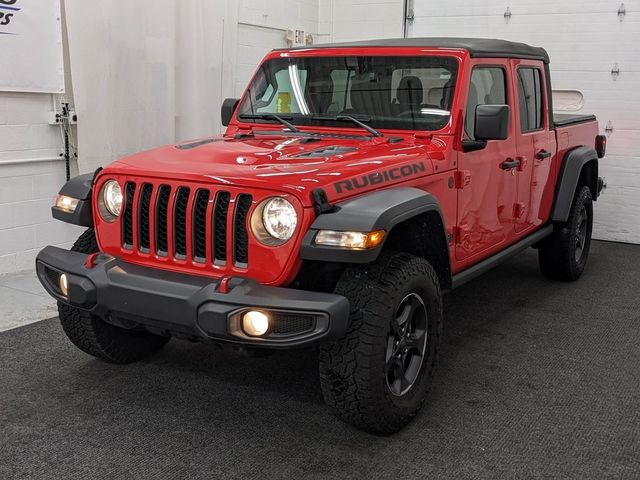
(228, 107)
(492, 122)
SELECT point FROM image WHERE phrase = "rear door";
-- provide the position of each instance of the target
(535, 142)
(485, 203)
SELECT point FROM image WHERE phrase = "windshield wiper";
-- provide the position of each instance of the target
(270, 116)
(349, 118)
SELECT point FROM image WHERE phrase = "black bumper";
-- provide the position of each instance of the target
(187, 306)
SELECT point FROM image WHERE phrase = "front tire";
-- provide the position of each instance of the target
(98, 338)
(564, 254)
(378, 375)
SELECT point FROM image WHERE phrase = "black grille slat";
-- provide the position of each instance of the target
(220, 213)
(180, 223)
(162, 210)
(241, 235)
(144, 204)
(199, 234)
(127, 215)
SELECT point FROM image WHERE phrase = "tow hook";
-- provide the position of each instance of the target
(223, 286)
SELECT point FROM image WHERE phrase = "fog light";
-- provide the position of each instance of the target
(255, 323)
(64, 285)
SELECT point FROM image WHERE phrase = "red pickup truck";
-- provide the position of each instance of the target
(354, 185)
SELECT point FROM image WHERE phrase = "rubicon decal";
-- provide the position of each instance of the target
(377, 178)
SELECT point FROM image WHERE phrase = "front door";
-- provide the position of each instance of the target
(485, 203)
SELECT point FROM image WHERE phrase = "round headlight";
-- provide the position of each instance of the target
(279, 218)
(110, 200)
(274, 221)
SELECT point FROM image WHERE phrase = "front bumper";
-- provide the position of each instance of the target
(187, 306)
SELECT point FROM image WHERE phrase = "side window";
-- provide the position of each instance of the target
(488, 87)
(530, 99)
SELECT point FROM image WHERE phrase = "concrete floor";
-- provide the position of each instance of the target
(23, 300)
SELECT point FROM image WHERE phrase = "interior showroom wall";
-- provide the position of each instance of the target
(159, 73)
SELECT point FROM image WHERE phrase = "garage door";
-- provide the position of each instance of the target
(588, 42)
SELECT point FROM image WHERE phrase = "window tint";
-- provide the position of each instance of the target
(530, 98)
(488, 87)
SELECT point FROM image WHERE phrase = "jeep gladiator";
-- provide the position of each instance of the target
(354, 185)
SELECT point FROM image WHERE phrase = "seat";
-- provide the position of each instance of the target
(410, 93)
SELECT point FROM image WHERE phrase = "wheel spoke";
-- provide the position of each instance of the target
(406, 344)
(415, 341)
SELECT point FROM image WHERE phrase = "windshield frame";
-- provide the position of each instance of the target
(458, 55)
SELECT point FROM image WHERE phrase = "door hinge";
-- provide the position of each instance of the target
(462, 178)
(519, 209)
(454, 237)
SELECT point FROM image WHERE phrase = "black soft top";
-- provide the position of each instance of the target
(477, 47)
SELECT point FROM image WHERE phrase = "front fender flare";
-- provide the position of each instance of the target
(381, 210)
(79, 187)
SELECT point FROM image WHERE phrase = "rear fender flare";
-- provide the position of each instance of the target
(570, 172)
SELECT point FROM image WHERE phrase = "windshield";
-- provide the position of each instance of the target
(413, 93)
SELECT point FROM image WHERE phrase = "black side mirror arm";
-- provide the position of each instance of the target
(473, 145)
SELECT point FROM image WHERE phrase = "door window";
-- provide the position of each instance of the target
(530, 99)
(488, 87)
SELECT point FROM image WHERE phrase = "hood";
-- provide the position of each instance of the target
(291, 164)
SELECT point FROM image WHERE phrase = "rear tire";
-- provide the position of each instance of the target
(564, 254)
(378, 375)
(96, 337)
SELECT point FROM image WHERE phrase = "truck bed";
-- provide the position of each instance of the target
(565, 119)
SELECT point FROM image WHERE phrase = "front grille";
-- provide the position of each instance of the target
(187, 223)
(162, 209)
(200, 226)
(127, 215)
(180, 223)
(144, 238)
(220, 227)
(241, 237)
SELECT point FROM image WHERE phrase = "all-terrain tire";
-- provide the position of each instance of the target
(564, 254)
(353, 370)
(96, 337)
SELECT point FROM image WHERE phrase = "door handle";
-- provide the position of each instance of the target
(542, 154)
(510, 164)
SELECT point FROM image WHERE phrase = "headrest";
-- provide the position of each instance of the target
(410, 91)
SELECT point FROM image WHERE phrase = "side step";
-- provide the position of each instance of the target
(485, 265)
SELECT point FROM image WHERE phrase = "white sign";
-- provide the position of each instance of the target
(31, 46)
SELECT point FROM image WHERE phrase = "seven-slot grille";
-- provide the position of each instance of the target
(183, 216)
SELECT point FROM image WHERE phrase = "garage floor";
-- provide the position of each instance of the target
(538, 379)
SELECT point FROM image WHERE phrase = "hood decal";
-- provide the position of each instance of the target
(379, 177)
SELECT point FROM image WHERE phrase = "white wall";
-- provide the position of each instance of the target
(261, 27)
(31, 173)
(348, 20)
